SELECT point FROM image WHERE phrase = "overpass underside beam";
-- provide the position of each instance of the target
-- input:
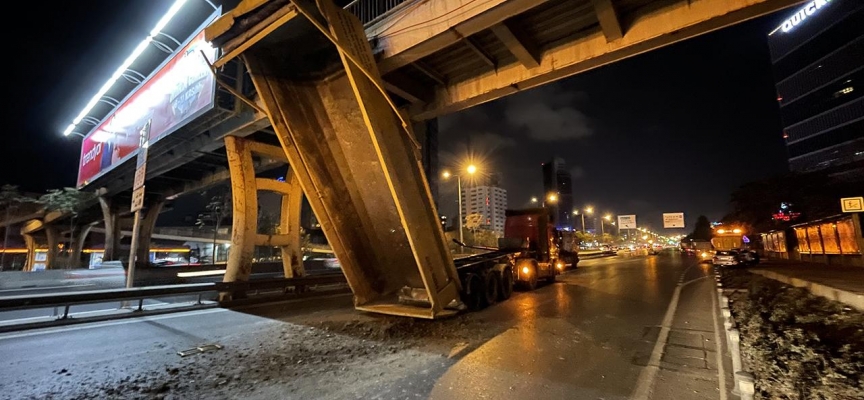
(648, 28)
(359, 169)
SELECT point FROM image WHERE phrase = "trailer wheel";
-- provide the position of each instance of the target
(490, 288)
(506, 281)
(472, 293)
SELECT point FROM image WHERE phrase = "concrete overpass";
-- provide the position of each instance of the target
(306, 107)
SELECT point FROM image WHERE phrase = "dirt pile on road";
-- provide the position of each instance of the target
(283, 359)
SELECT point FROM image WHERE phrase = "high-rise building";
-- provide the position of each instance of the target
(818, 59)
(557, 181)
(487, 202)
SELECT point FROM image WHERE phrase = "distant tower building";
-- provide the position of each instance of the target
(488, 200)
(557, 181)
(817, 53)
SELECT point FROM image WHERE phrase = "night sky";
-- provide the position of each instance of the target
(674, 130)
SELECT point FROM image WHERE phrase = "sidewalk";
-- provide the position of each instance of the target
(840, 283)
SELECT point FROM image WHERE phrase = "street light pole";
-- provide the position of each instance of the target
(459, 188)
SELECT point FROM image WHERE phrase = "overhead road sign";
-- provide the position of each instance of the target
(627, 222)
(673, 220)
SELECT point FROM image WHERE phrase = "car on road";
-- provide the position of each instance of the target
(748, 257)
(727, 258)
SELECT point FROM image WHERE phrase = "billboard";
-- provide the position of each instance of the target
(627, 222)
(673, 220)
(180, 90)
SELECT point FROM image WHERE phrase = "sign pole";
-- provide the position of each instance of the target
(138, 199)
(133, 250)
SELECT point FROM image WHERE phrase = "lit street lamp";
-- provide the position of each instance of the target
(471, 170)
(606, 217)
(588, 210)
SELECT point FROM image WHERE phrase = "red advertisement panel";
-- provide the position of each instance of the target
(179, 91)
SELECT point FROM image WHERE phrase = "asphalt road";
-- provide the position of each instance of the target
(622, 327)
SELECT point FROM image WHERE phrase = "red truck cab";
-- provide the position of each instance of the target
(532, 232)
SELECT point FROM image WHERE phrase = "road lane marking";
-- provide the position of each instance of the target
(721, 373)
(31, 333)
(646, 378)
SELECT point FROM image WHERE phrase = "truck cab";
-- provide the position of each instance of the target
(539, 245)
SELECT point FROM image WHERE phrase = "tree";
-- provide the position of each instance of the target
(702, 229)
(812, 195)
(217, 210)
(584, 237)
(69, 201)
(10, 199)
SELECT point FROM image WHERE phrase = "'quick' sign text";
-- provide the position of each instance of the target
(802, 14)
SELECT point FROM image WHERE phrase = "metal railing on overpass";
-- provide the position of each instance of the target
(371, 11)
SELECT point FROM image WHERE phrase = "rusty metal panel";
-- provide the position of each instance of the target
(399, 160)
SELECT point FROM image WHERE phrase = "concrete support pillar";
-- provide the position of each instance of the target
(289, 224)
(78, 245)
(53, 241)
(145, 234)
(30, 244)
(244, 194)
(111, 218)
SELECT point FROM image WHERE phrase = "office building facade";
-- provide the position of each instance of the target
(486, 202)
(558, 181)
(818, 60)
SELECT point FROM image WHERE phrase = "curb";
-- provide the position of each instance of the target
(745, 386)
(851, 299)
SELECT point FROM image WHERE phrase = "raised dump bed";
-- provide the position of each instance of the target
(356, 160)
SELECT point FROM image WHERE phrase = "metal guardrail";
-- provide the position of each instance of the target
(67, 300)
(372, 11)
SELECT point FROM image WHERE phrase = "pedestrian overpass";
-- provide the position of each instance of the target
(348, 98)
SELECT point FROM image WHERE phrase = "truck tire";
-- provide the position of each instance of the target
(506, 281)
(490, 288)
(472, 292)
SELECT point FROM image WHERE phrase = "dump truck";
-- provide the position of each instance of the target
(354, 152)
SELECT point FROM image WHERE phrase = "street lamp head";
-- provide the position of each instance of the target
(552, 197)
(575, 212)
(471, 169)
(446, 174)
(589, 210)
(607, 217)
(533, 199)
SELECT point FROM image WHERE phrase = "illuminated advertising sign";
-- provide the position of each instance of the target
(809, 9)
(181, 90)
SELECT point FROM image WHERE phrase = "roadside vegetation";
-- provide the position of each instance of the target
(798, 346)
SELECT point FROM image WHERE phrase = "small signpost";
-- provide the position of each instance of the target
(138, 198)
(852, 204)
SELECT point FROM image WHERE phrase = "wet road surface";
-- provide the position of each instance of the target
(607, 330)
